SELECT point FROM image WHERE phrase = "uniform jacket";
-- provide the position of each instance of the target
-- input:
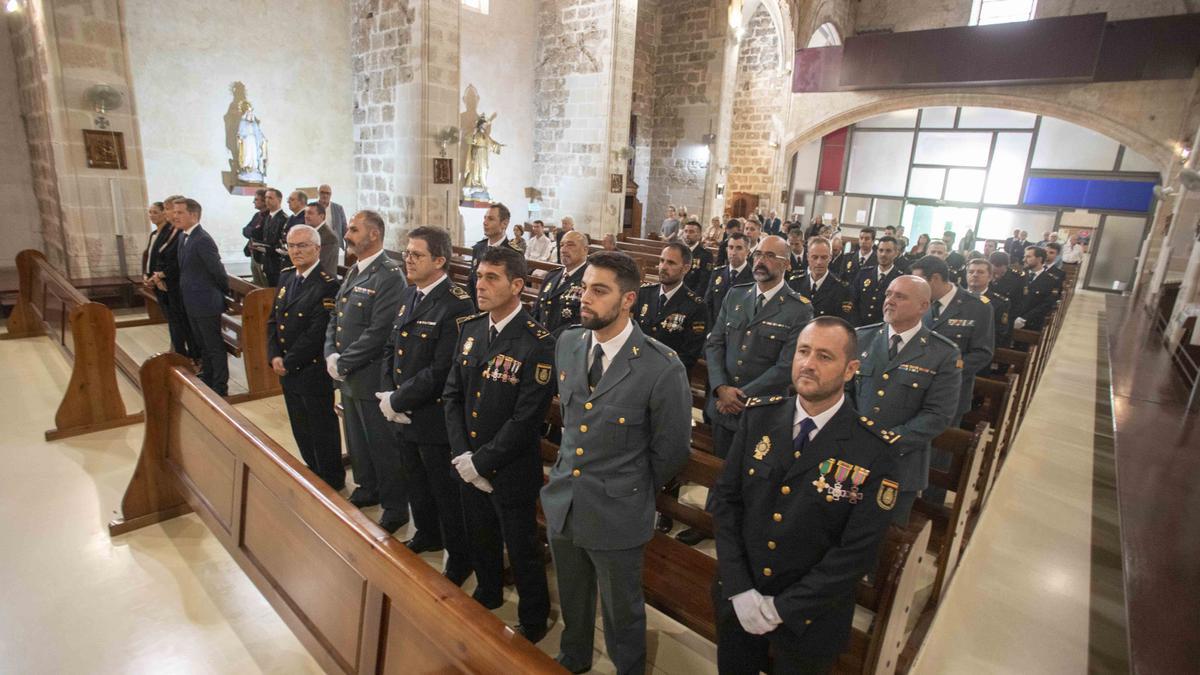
(682, 324)
(621, 442)
(274, 237)
(419, 354)
(1001, 317)
(477, 252)
(779, 533)
(253, 232)
(721, 281)
(701, 271)
(969, 323)
(366, 309)
(558, 300)
(869, 293)
(296, 329)
(754, 353)
(1009, 285)
(850, 265)
(833, 296)
(202, 278)
(913, 396)
(495, 402)
(1038, 297)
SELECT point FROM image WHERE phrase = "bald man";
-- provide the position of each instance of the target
(558, 301)
(908, 383)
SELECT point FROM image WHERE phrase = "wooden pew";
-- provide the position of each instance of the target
(994, 403)
(357, 598)
(48, 304)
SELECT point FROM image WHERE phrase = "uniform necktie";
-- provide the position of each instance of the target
(597, 369)
(758, 304)
(417, 300)
(492, 335)
(937, 310)
(895, 348)
(352, 274)
(801, 440)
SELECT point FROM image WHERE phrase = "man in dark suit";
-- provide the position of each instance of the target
(789, 558)
(335, 215)
(773, 225)
(296, 203)
(1011, 242)
(1015, 246)
(701, 268)
(420, 353)
(495, 224)
(316, 217)
(1040, 294)
(204, 284)
(162, 263)
(829, 295)
(367, 303)
(979, 274)
(861, 259)
(295, 348)
(669, 311)
(495, 400)
(558, 300)
(798, 255)
(627, 417)
(737, 271)
(1006, 281)
(870, 286)
(274, 233)
(254, 232)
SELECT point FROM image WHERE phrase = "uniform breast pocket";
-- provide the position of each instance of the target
(620, 487)
(914, 384)
(625, 425)
(769, 341)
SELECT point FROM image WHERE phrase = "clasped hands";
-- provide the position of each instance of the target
(756, 612)
(730, 400)
(466, 470)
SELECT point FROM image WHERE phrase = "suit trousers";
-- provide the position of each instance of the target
(214, 362)
(435, 497)
(315, 427)
(623, 607)
(257, 273)
(171, 305)
(492, 526)
(378, 469)
(741, 653)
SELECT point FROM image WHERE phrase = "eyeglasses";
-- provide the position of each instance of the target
(301, 246)
(413, 255)
(767, 255)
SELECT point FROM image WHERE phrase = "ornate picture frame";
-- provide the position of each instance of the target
(104, 149)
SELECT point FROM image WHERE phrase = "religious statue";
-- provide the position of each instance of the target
(251, 147)
(480, 145)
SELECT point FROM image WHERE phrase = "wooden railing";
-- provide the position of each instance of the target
(357, 598)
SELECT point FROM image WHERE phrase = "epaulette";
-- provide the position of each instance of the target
(288, 269)
(693, 295)
(512, 243)
(325, 276)
(744, 285)
(862, 330)
(537, 330)
(800, 297)
(458, 292)
(470, 317)
(328, 303)
(756, 401)
(943, 338)
(888, 436)
(983, 298)
(661, 348)
(648, 284)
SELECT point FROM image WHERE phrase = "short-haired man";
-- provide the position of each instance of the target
(627, 416)
(1006, 281)
(1054, 260)
(979, 277)
(296, 203)
(908, 384)
(798, 255)
(495, 401)
(669, 311)
(954, 259)
(316, 217)
(558, 300)
(1072, 251)
(732, 226)
(254, 233)
(495, 224)
(295, 348)
(772, 224)
(567, 225)
(204, 284)
(367, 303)
(870, 286)
(274, 237)
(1040, 294)
(829, 295)
(701, 268)
(736, 271)
(863, 258)
(1015, 246)
(419, 356)
(540, 247)
(789, 558)
(335, 215)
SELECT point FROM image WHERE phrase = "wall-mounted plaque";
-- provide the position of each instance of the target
(104, 149)
(616, 183)
(443, 170)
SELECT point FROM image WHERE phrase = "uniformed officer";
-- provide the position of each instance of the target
(871, 284)
(801, 508)
(979, 275)
(367, 303)
(495, 224)
(862, 258)
(799, 254)
(938, 249)
(419, 354)
(558, 301)
(1040, 294)
(750, 347)
(701, 268)
(907, 383)
(829, 294)
(1054, 263)
(627, 417)
(495, 399)
(669, 311)
(295, 344)
(738, 271)
(732, 226)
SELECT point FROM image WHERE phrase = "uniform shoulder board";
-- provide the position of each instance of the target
(328, 303)
(863, 330)
(325, 276)
(984, 299)
(693, 295)
(470, 317)
(648, 284)
(748, 284)
(537, 330)
(288, 269)
(512, 243)
(758, 401)
(945, 340)
(458, 292)
(800, 297)
(886, 435)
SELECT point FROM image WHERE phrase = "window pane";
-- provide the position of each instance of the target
(1062, 145)
(934, 220)
(1133, 161)
(902, 119)
(961, 149)
(1007, 173)
(965, 185)
(999, 223)
(878, 161)
(938, 118)
(856, 210)
(926, 183)
(828, 207)
(887, 212)
(1114, 257)
(995, 118)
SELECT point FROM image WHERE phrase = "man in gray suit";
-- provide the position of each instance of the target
(907, 383)
(367, 304)
(335, 214)
(315, 217)
(627, 416)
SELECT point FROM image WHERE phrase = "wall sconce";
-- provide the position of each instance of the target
(623, 153)
(103, 98)
(445, 137)
(709, 139)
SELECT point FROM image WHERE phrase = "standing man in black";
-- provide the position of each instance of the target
(254, 233)
(558, 300)
(669, 311)
(296, 203)
(701, 267)
(273, 236)
(495, 224)
(738, 271)
(162, 264)
(495, 401)
(1040, 294)
(829, 295)
(295, 347)
(204, 284)
(420, 353)
(861, 259)
(367, 303)
(870, 287)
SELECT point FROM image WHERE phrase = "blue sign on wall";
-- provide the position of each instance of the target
(1084, 193)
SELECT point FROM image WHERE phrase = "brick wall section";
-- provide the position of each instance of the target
(760, 94)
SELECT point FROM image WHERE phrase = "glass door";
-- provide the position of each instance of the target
(1114, 252)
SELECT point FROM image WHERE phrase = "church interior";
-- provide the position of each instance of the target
(164, 527)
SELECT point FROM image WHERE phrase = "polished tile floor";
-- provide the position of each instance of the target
(168, 599)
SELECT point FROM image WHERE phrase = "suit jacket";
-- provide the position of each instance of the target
(772, 226)
(495, 402)
(367, 304)
(558, 300)
(296, 330)
(722, 280)
(833, 296)
(1038, 297)
(162, 251)
(913, 396)
(851, 266)
(621, 442)
(254, 232)
(681, 324)
(869, 293)
(335, 215)
(1015, 248)
(329, 250)
(1010, 285)
(701, 270)
(753, 352)
(202, 278)
(969, 323)
(808, 547)
(274, 237)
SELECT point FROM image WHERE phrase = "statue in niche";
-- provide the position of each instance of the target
(251, 147)
(480, 146)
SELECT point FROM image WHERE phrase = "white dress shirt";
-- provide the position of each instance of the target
(819, 420)
(610, 348)
(905, 337)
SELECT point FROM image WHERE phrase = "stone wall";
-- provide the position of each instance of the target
(760, 92)
(645, 56)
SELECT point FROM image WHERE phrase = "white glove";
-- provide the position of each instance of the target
(483, 484)
(748, 607)
(331, 366)
(466, 468)
(1019, 323)
(768, 611)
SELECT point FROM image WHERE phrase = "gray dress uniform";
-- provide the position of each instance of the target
(752, 350)
(621, 443)
(367, 303)
(968, 323)
(912, 396)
